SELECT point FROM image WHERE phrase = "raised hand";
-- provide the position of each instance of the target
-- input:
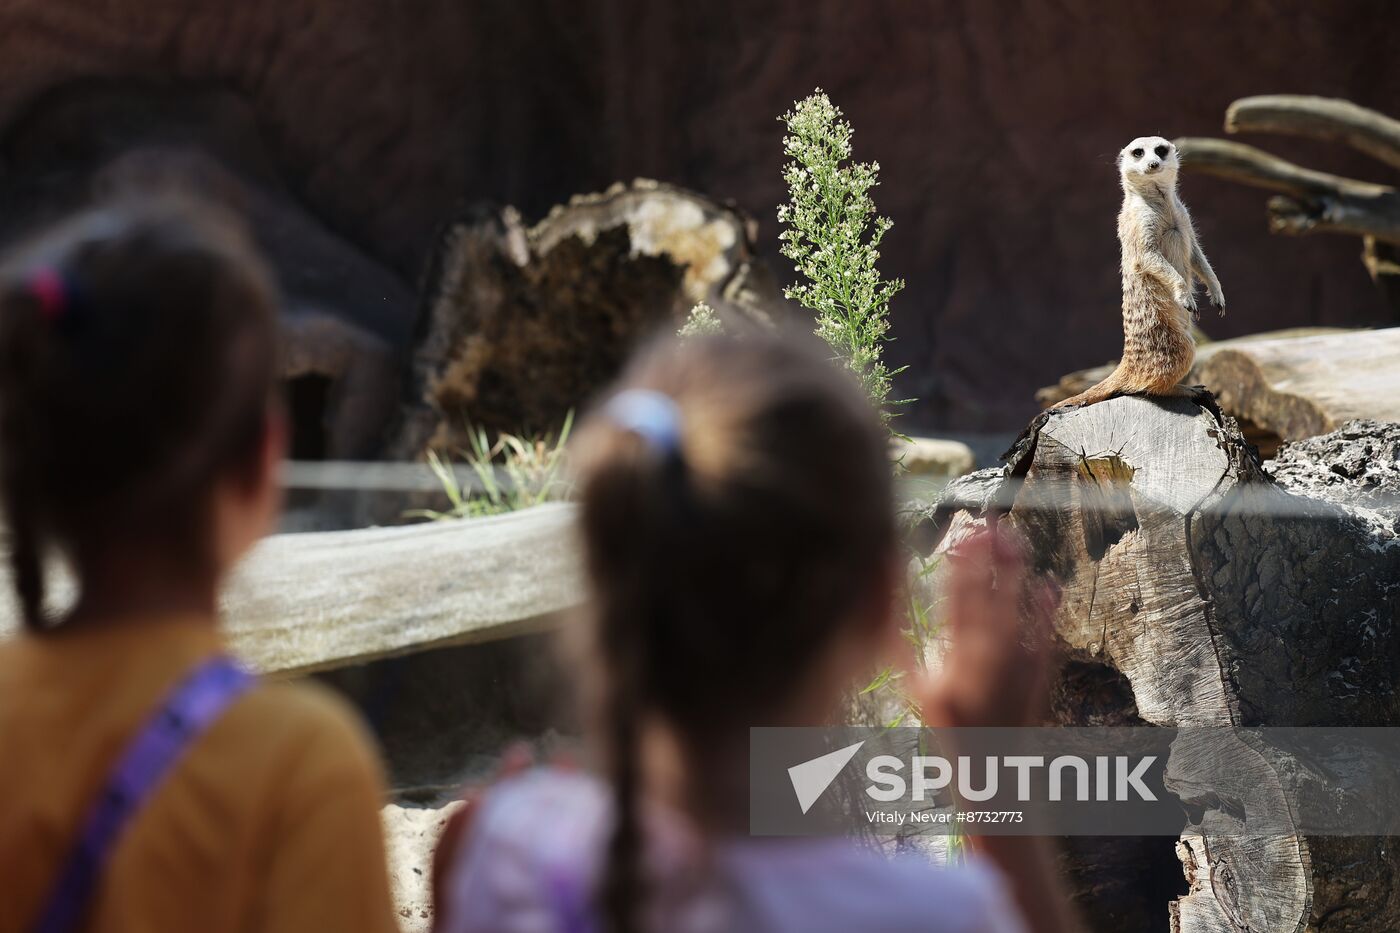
(997, 666)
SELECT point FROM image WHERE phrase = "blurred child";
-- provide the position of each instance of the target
(740, 541)
(148, 783)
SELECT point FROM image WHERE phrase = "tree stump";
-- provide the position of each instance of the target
(1200, 591)
(522, 324)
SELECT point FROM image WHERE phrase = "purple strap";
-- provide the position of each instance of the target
(571, 908)
(190, 708)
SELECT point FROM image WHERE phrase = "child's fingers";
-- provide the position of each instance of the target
(986, 586)
(973, 564)
(1040, 637)
(1007, 547)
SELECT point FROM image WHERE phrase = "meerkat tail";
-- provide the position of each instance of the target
(1110, 387)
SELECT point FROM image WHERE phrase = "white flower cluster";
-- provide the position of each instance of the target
(832, 235)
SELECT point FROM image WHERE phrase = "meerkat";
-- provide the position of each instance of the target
(1162, 260)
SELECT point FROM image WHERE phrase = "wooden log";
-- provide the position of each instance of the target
(1303, 386)
(1328, 118)
(322, 600)
(1312, 201)
(1197, 592)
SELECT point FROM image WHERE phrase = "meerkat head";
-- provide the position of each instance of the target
(1148, 160)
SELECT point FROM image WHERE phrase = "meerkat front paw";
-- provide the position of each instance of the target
(1188, 301)
(1218, 299)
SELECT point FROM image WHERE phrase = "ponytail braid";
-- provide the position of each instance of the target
(19, 313)
(626, 628)
(622, 891)
(736, 510)
(145, 330)
(26, 563)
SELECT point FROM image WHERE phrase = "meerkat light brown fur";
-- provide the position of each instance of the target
(1162, 260)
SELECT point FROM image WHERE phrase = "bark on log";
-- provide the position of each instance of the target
(1211, 595)
(322, 600)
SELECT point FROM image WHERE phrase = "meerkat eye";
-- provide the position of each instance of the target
(1161, 152)
(1137, 153)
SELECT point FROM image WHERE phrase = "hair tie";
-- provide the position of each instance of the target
(652, 416)
(47, 287)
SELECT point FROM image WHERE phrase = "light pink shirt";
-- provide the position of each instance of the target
(537, 844)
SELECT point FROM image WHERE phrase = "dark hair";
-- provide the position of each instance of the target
(722, 560)
(137, 357)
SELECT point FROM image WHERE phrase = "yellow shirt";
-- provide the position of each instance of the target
(269, 821)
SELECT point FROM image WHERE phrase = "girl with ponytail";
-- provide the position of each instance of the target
(148, 781)
(739, 536)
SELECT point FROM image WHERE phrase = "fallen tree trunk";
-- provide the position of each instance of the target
(322, 600)
(1305, 386)
(1198, 592)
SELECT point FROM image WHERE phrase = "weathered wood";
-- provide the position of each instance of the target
(1214, 597)
(1303, 386)
(521, 323)
(1314, 202)
(1328, 118)
(309, 602)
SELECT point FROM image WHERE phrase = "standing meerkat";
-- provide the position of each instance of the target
(1162, 259)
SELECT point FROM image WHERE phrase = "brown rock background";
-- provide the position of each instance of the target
(996, 123)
